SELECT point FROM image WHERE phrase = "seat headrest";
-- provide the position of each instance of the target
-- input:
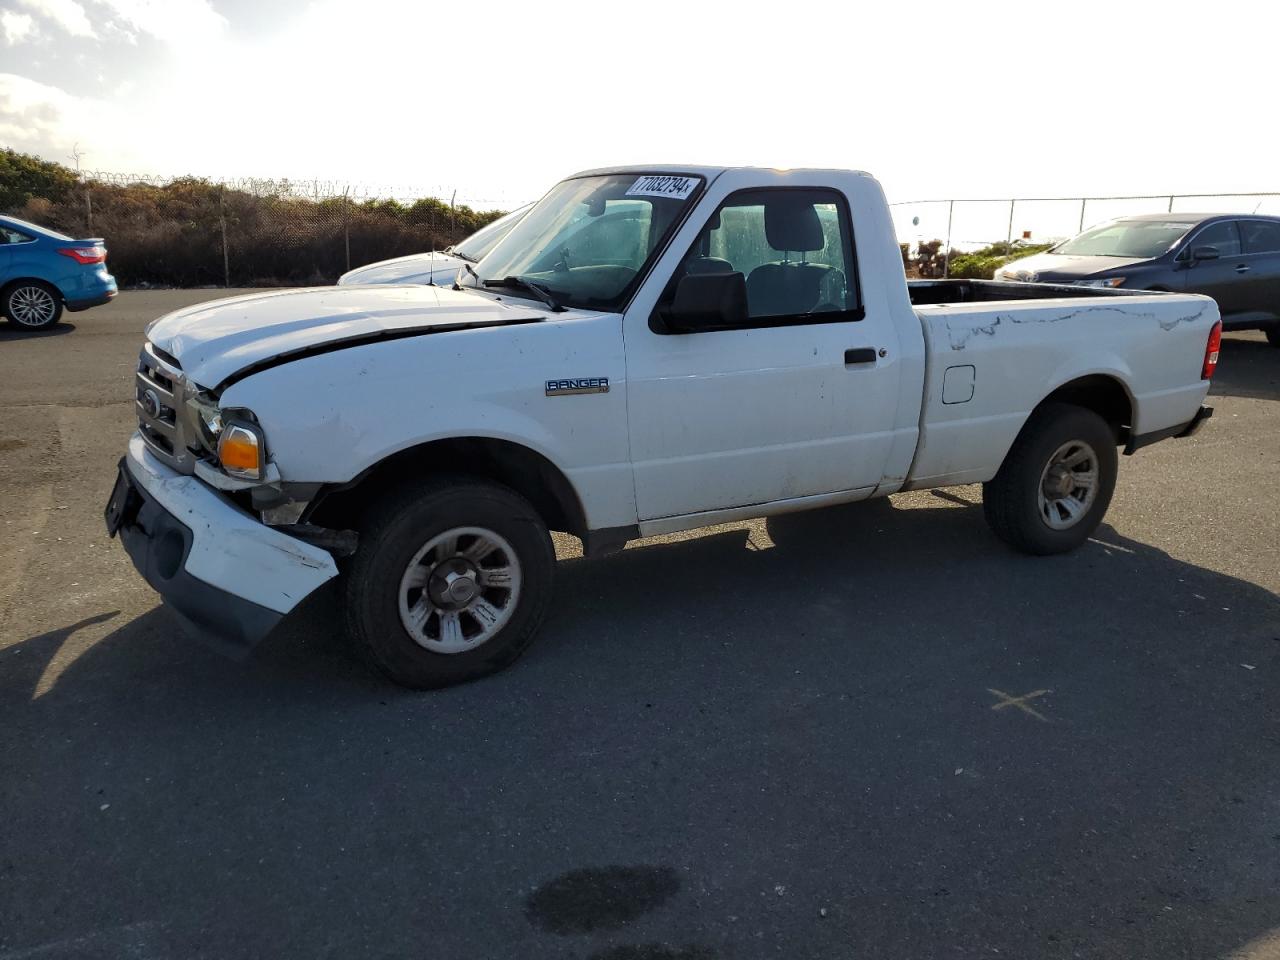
(791, 223)
(709, 265)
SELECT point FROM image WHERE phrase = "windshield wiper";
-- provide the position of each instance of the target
(537, 289)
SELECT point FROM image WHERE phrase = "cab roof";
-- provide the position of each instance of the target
(695, 170)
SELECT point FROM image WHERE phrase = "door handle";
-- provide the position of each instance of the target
(1242, 268)
(860, 355)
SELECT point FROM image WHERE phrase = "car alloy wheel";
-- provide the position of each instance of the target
(32, 306)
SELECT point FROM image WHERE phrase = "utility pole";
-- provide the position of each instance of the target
(346, 222)
(222, 220)
(946, 256)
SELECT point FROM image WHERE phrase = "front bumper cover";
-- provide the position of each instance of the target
(230, 578)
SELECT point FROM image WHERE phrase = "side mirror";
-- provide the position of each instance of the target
(708, 301)
(1204, 253)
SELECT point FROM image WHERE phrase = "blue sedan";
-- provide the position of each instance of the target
(41, 272)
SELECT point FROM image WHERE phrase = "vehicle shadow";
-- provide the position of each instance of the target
(1248, 367)
(876, 709)
(9, 332)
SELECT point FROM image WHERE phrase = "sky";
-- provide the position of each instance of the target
(497, 101)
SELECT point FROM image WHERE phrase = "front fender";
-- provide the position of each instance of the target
(328, 418)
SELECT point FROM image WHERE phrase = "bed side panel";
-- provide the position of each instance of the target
(1021, 352)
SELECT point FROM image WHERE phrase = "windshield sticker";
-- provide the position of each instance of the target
(677, 188)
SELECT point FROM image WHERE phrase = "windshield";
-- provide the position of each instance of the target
(1126, 238)
(587, 242)
(477, 246)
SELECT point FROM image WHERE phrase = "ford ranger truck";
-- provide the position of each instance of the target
(649, 350)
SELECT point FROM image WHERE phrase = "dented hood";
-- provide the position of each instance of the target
(216, 340)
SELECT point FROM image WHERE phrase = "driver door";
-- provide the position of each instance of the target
(1226, 278)
(793, 404)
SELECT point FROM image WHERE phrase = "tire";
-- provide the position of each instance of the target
(1026, 502)
(1273, 336)
(464, 630)
(32, 305)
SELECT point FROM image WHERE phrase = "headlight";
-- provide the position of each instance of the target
(206, 416)
(1103, 282)
(242, 450)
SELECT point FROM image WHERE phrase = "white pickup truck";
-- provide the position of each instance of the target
(731, 343)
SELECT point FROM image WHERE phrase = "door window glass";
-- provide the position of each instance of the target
(794, 247)
(1260, 236)
(1222, 235)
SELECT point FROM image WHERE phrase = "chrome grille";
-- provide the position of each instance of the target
(162, 420)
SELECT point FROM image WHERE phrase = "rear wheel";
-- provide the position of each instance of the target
(451, 582)
(32, 305)
(1056, 483)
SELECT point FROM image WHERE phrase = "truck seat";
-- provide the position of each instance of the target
(788, 287)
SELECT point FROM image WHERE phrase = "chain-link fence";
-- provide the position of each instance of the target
(189, 231)
(967, 225)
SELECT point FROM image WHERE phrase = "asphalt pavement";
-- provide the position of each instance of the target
(865, 732)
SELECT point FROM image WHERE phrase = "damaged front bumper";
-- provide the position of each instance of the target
(229, 577)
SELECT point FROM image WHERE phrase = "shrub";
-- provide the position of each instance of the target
(174, 234)
(982, 264)
(24, 178)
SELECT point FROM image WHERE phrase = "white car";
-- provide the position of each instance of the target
(437, 267)
(647, 351)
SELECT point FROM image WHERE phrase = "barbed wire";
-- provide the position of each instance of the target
(308, 189)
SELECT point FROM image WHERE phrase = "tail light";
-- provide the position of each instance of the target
(1211, 352)
(96, 254)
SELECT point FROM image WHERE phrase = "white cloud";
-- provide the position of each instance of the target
(388, 95)
(48, 121)
(16, 27)
(170, 21)
(67, 14)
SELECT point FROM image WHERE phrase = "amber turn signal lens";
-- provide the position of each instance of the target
(240, 452)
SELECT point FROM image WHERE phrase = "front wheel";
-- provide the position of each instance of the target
(32, 305)
(451, 581)
(1056, 483)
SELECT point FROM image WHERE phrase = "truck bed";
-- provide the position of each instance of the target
(995, 350)
(939, 292)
